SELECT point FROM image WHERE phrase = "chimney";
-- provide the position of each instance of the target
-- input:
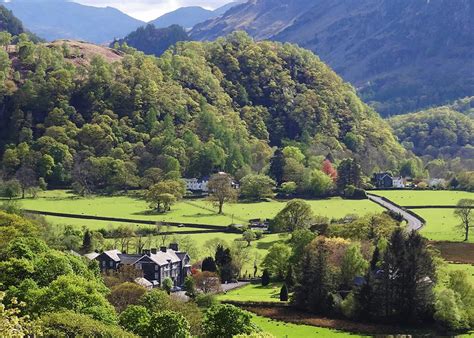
(174, 246)
(153, 251)
(146, 252)
(163, 249)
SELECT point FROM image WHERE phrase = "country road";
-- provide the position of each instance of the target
(413, 223)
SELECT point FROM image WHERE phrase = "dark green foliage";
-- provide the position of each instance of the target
(349, 174)
(284, 293)
(87, 242)
(208, 264)
(9, 23)
(265, 277)
(402, 290)
(315, 281)
(152, 40)
(277, 165)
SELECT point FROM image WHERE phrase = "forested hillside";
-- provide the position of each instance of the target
(200, 107)
(402, 55)
(440, 135)
(9, 23)
(152, 40)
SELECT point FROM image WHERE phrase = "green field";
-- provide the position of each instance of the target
(194, 211)
(440, 223)
(254, 293)
(424, 197)
(288, 330)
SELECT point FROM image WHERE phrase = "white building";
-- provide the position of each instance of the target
(398, 182)
(194, 184)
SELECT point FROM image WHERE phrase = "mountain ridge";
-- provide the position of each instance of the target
(400, 55)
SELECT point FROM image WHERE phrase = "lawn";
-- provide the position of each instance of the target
(288, 330)
(424, 197)
(254, 293)
(187, 211)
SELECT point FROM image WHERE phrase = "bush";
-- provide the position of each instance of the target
(206, 300)
(348, 306)
(71, 324)
(168, 324)
(265, 278)
(225, 320)
(135, 319)
(284, 293)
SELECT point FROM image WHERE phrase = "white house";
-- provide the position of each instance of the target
(398, 182)
(194, 184)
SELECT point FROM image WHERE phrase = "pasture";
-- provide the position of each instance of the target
(254, 293)
(288, 330)
(186, 211)
(424, 197)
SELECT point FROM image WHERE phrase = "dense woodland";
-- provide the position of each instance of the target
(199, 108)
(442, 137)
(152, 40)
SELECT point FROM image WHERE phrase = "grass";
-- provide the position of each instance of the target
(195, 211)
(288, 330)
(254, 293)
(424, 197)
(440, 223)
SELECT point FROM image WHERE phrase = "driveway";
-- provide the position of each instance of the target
(413, 223)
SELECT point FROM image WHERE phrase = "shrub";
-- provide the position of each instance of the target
(168, 324)
(284, 293)
(265, 278)
(225, 320)
(206, 300)
(135, 319)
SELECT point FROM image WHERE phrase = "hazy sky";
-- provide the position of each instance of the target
(147, 10)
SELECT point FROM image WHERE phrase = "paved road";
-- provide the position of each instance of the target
(414, 224)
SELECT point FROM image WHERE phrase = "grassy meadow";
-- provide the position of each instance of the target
(424, 197)
(187, 211)
(254, 293)
(440, 223)
(288, 330)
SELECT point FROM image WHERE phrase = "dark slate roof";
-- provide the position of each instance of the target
(129, 259)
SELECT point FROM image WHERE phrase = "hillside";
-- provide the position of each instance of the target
(199, 108)
(152, 40)
(61, 19)
(439, 133)
(402, 56)
(188, 17)
(10, 23)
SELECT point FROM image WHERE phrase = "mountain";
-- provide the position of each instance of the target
(199, 108)
(402, 55)
(187, 17)
(61, 19)
(152, 40)
(10, 23)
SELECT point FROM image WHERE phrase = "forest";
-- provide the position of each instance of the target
(198, 109)
(442, 137)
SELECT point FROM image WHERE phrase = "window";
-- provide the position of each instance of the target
(111, 264)
(156, 267)
(157, 276)
(104, 263)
